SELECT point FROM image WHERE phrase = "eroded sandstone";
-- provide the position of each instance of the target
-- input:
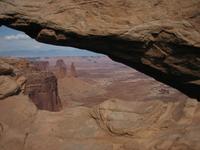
(5, 68)
(112, 125)
(41, 65)
(8, 87)
(30, 78)
(60, 69)
(73, 72)
(42, 89)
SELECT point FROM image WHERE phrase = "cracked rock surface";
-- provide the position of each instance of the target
(111, 125)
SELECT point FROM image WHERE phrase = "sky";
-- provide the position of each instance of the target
(16, 43)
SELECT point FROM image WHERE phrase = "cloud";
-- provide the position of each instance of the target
(37, 46)
(18, 36)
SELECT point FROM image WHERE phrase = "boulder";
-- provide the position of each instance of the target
(8, 87)
(18, 65)
(5, 68)
(21, 80)
(150, 124)
(17, 114)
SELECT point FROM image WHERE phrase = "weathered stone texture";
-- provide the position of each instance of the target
(41, 87)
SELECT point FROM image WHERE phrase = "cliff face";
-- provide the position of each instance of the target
(41, 87)
(41, 65)
(160, 38)
(21, 76)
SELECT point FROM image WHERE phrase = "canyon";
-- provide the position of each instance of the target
(108, 106)
(92, 102)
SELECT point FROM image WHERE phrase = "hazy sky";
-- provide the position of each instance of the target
(16, 43)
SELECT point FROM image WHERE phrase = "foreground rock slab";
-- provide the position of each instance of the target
(160, 38)
(8, 87)
(17, 113)
(5, 68)
(153, 124)
(112, 125)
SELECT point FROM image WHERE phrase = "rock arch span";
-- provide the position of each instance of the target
(160, 38)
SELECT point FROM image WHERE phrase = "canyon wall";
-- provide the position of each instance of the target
(160, 38)
(41, 87)
(19, 77)
(41, 65)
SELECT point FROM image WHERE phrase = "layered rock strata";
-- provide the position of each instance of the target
(8, 87)
(41, 65)
(8, 84)
(41, 87)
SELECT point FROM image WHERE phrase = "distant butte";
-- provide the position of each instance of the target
(73, 72)
(60, 69)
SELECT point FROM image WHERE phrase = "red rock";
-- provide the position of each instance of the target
(73, 72)
(60, 69)
(42, 90)
(41, 65)
(5, 68)
(22, 64)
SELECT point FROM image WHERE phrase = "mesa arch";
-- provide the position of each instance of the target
(160, 38)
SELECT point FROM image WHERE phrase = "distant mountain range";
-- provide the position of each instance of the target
(46, 53)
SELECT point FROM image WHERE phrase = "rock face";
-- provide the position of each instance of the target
(160, 38)
(17, 114)
(153, 124)
(41, 65)
(60, 69)
(21, 76)
(8, 87)
(18, 65)
(22, 64)
(41, 87)
(9, 84)
(5, 68)
(112, 125)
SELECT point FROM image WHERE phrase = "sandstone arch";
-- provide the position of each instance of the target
(160, 38)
